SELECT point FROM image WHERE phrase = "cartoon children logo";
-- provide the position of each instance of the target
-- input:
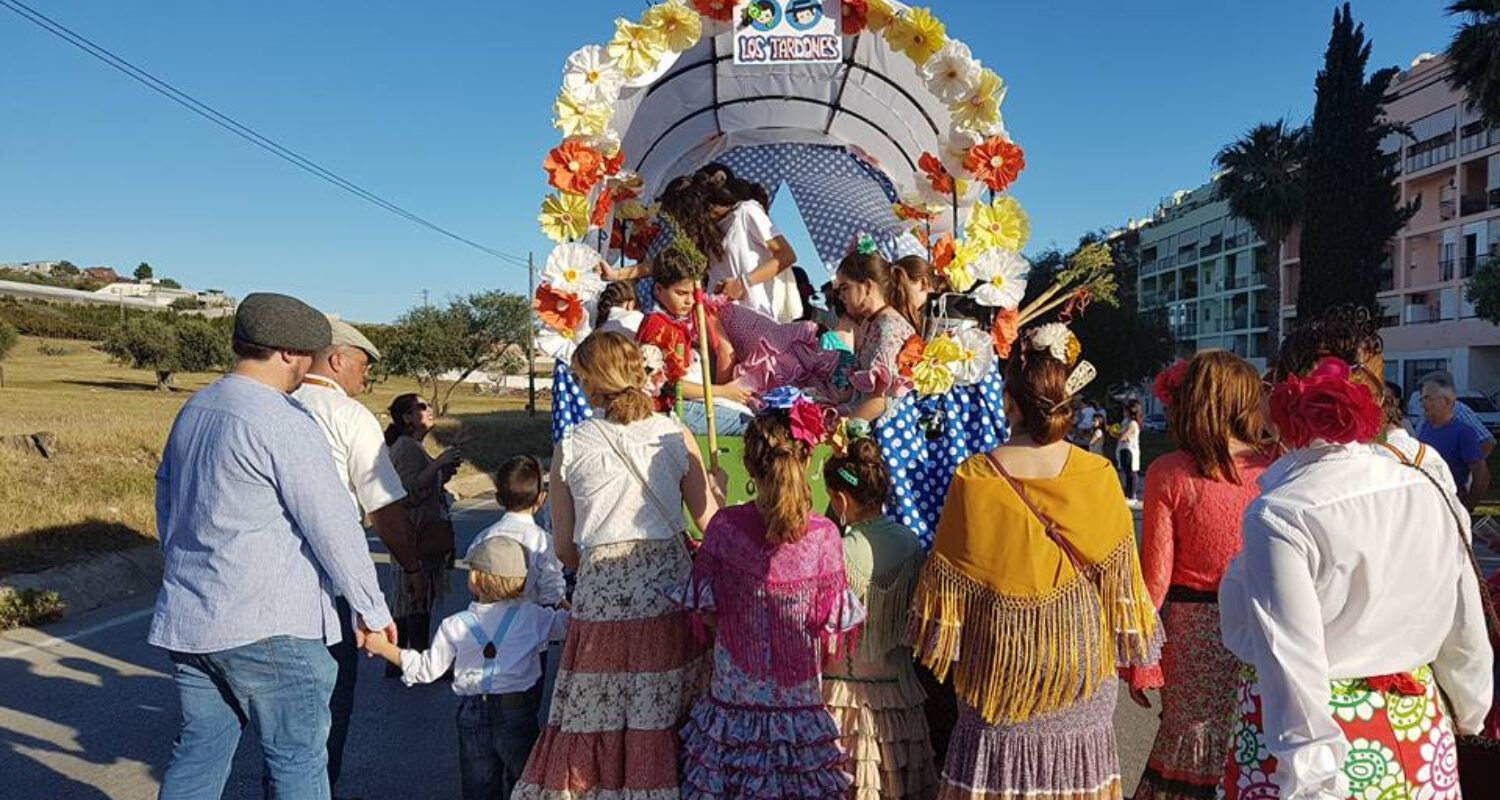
(802, 15)
(762, 15)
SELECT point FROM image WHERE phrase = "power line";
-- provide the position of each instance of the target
(238, 129)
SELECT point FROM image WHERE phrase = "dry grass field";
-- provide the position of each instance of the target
(96, 491)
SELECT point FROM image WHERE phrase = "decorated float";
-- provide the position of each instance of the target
(882, 126)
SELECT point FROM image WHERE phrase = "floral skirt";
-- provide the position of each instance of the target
(1065, 755)
(1198, 703)
(883, 728)
(1401, 746)
(631, 670)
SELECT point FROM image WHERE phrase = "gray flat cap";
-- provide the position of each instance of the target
(346, 335)
(499, 556)
(278, 322)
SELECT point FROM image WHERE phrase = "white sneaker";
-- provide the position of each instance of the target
(1133, 504)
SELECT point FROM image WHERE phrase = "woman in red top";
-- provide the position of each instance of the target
(1195, 499)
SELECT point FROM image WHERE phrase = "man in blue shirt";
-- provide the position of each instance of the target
(1459, 444)
(258, 535)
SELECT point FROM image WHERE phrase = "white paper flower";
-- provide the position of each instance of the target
(926, 200)
(977, 348)
(558, 345)
(1052, 338)
(653, 357)
(573, 268)
(606, 143)
(1001, 276)
(955, 148)
(952, 73)
(592, 76)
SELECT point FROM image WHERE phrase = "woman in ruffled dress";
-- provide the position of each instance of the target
(631, 667)
(770, 578)
(1032, 598)
(1195, 501)
(873, 690)
(1354, 599)
(866, 285)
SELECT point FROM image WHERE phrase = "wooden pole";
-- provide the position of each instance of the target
(531, 339)
(708, 380)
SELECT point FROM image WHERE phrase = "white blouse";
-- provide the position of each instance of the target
(1351, 569)
(610, 504)
(748, 232)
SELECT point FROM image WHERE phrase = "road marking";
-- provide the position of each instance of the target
(53, 641)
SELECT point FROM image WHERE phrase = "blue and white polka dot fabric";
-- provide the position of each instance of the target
(569, 405)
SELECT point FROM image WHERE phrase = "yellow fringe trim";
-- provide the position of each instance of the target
(1023, 657)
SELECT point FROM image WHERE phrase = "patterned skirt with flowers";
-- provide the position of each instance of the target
(1401, 743)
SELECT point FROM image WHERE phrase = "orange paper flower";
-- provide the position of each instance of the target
(721, 10)
(937, 174)
(942, 252)
(856, 15)
(911, 355)
(559, 311)
(602, 207)
(910, 212)
(614, 163)
(573, 167)
(1007, 329)
(996, 162)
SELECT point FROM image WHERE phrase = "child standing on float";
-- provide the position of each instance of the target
(865, 282)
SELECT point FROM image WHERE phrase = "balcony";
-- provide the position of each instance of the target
(1184, 330)
(1468, 264)
(1446, 269)
(1480, 203)
(1431, 156)
(1187, 256)
(1214, 246)
(1474, 142)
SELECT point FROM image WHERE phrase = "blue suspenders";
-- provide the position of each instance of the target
(471, 621)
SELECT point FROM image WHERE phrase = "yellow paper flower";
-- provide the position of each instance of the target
(636, 48)
(917, 33)
(934, 373)
(565, 217)
(880, 15)
(980, 110)
(574, 117)
(632, 210)
(1001, 224)
(680, 27)
(960, 272)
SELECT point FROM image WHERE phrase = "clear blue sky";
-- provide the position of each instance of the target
(444, 108)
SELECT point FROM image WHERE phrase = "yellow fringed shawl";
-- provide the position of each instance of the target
(1030, 633)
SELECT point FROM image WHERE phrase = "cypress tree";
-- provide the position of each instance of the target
(1352, 208)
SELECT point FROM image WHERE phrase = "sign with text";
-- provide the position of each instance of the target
(787, 32)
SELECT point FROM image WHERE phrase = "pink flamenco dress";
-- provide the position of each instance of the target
(770, 354)
(763, 730)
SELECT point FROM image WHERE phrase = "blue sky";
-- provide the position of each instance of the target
(444, 108)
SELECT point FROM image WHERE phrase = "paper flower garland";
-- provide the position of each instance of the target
(933, 374)
(855, 15)
(678, 26)
(952, 73)
(1001, 276)
(565, 217)
(996, 163)
(574, 117)
(1002, 224)
(572, 269)
(979, 110)
(879, 15)
(573, 167)
(720, 10)
(937, 175)
(976, 356)
(637, 48)
(592, 77)
(559, 345)
(918, 34)
(558, 310)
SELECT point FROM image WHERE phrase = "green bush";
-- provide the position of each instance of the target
(29, 607)
(60, 321)
(8, 337)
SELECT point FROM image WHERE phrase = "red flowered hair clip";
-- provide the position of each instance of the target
(1325, 406)
(1168, 382)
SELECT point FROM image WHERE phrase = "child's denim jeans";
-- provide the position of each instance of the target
(493, 744)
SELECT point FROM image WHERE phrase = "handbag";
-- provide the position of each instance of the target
(435, 540)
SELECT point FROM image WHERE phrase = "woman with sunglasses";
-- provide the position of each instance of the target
(426, 504)
(1354, 599)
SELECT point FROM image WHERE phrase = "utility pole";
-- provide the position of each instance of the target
(531, 338)
(425, 304)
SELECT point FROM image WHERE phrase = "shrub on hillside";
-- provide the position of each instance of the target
(8, 337)
(167, 345)
(59, 321)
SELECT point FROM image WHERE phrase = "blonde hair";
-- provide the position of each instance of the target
(488, 588)
(612, 371)
(777, 462)
(1219, 401)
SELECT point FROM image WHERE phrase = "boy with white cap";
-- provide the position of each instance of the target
(494, 648)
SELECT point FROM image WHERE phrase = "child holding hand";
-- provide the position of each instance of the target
(493, 647)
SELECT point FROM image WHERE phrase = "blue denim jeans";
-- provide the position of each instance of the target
(728, 421)
(341, 705)
(493, 744)
(282, 685)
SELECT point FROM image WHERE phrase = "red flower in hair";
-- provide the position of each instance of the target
(721, 10)
(808, 422)
(1168, 381)
(937, 174)
(1325, 406)
(856, 16)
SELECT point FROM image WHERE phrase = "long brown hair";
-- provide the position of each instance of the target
(612, 371)
(777, 462)
(907, 274)
(690, 200)
(1219, 401)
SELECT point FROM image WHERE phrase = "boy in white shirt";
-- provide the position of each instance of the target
(518, 490)
(494, 648)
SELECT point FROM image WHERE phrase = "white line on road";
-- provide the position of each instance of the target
(53, 641)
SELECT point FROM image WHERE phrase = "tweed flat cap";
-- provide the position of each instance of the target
(278, 322)
(499, 556)
(346, 335)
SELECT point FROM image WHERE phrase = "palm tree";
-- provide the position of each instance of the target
(1261, 177)
(1474, 55)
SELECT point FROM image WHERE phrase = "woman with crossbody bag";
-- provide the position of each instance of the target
(1032, 597)
(631, 668)
(1354, 601)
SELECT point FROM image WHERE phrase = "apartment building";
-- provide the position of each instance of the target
(1451, 164)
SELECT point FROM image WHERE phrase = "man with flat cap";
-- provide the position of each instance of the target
(338, 375)
(258, 535)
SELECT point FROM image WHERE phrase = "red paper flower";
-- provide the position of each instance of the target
(602, 207)
(912, 213)
(573, 167)
(614, 164)
(559, 311)
(856, 16)
(996, 162)
(937, 174)
(640, 241)
(808, 422)
(1006, 331)
(721, 10)
(1168, 381)
(1325, 406)
(943, 252)
(910, 355)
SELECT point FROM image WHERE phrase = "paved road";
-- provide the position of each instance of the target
(88, 711)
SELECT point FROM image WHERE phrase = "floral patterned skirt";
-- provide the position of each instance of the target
(631, 670)
(1401, 746)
